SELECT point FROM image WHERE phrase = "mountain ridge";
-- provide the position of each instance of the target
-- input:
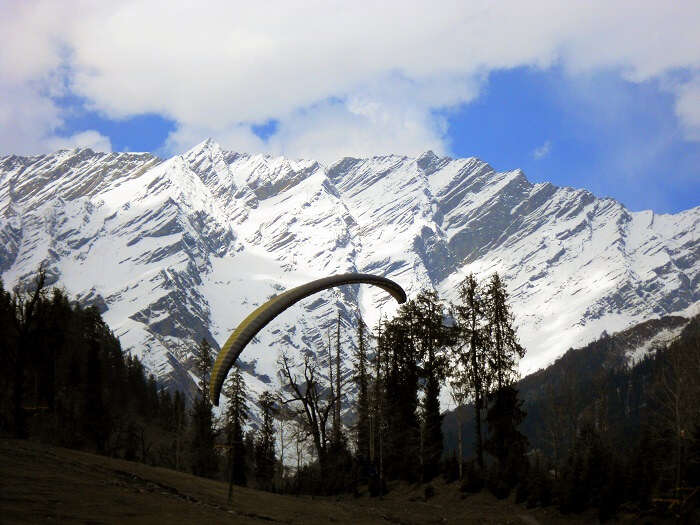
(178, 249)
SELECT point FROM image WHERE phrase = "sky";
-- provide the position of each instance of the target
(597, 95)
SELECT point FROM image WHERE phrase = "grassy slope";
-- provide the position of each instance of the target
(40, 483)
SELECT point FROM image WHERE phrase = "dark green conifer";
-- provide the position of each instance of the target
(362, 381)
(235, 420)
(204, 461)
(504, 441)
(470, 374)
(431, 338)
(400, 443)
(504, 351)
(265, 443)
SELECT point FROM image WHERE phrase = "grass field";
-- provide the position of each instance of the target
(44, 484)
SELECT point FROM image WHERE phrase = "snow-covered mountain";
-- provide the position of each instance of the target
(173, 251)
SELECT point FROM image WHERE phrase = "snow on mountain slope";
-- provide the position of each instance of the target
(575, 265)
(646, 338)
(173, 251)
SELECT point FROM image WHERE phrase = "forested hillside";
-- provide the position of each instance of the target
(65, 380)
(593, 430)
(603, 430)
(172, 251)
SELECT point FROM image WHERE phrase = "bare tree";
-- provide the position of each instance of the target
(291, 433)
(306, 399)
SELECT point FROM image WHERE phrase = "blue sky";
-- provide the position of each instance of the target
(616, 138)
(604, 140)
(579, 94)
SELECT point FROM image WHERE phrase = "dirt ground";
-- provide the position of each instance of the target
(44, 484)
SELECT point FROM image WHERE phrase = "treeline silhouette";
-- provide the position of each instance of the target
(589, 431)
(634, 436)
(399, 369)
(607, 434)
(65, 380)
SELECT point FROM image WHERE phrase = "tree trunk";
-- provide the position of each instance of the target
(18, 391)
(477, 421)
(477, 396)
(459, 441)
(331, 383)
(336, 435)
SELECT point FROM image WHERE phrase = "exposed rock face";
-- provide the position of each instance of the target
(173, 251)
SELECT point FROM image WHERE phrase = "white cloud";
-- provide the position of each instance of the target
(688, 107)
(85, 139)
(238, 137)
(26, 117)
(389, 116)
(542, 151)
(358, 127)
(351, 77)
(31, 36)
(330, 131)
(29, 120)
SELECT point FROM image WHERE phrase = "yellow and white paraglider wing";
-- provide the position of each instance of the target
(252, 324)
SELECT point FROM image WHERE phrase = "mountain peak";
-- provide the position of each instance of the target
(207, 145)
(429, 162)
(185, 249)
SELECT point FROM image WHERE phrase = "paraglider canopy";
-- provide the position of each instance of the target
(252, 324)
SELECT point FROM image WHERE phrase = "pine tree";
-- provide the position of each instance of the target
(94, 418)
(505, 442)
(25, 307)
(401, 447)
(203, 456)
(377, 418)
(8, 346)
(151, 405)
(362, 381)
(180, 417)
(470, 373)
(586, 472)
(504, 349)
(203, 364)
(265, 444)
(337, 433)
(166, 430)
(80, 388)
(204, 459)
(331, 387)
(431, 338)
(236, 418)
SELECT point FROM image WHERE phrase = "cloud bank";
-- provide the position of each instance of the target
(338, 78)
